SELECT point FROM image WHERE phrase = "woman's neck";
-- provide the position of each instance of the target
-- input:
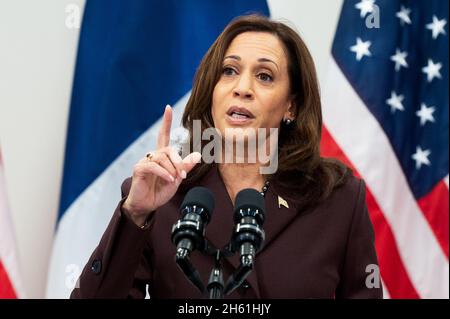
(239, 176)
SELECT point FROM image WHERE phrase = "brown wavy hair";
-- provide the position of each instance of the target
(302, 175)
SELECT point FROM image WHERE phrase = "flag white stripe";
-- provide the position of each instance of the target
(368, 148)
(446, 180)
(82, 225)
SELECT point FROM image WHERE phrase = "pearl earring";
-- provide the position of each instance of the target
(288, 121)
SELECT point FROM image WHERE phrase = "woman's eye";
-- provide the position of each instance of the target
(265, 77)
(228, 71)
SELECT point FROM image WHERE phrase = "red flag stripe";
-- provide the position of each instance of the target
(392, 269)
(6, 288)
(435, 208)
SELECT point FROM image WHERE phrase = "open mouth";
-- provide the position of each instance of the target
(237, 115)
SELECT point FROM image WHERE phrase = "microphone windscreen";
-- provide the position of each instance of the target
(250, 198)
(199, 196)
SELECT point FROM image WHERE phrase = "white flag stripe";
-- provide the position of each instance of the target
(421, 253)
(82, 225)
(8, 249)
(446, 180)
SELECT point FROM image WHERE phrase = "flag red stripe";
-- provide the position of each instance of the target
(435, 208)
(392, 269)
(6, 288)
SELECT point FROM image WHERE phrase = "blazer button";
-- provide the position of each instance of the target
(96, 266)
(245, 285)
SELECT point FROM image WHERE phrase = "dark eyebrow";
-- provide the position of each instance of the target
(235, 57)
(267, 60)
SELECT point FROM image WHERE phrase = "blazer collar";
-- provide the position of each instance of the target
(219, 231)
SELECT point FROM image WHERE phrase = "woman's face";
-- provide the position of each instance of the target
(253, 90)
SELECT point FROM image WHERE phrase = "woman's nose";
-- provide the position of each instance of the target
(243, 87)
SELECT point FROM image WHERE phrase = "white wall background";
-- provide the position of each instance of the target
(37, 59)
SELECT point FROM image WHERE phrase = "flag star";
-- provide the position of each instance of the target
(425, 113)
(395, 101)
(432, 70)
(403, 15)
(400, 59)
(361, 48)
(421, 157)
(365, 7)
(437, 26)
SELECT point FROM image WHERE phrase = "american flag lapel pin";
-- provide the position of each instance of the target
(282, 202)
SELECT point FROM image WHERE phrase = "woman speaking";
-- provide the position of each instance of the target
(258, 77)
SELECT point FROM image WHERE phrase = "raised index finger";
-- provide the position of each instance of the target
(164, 132)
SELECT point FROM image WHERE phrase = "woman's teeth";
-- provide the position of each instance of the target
(238, 115)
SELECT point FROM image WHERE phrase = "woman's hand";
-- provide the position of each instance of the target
(157, 176)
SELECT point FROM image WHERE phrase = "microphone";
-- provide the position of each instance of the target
(188, 232)
(248, 235)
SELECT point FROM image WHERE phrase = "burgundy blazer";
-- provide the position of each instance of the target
(320, 252)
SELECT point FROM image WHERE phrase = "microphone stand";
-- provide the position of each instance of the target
(244, 269)
(216, 284)
(184, 262)
(216, 288)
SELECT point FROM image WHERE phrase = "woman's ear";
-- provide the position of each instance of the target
(290, 112)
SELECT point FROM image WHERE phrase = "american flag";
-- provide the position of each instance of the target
(385, 110)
